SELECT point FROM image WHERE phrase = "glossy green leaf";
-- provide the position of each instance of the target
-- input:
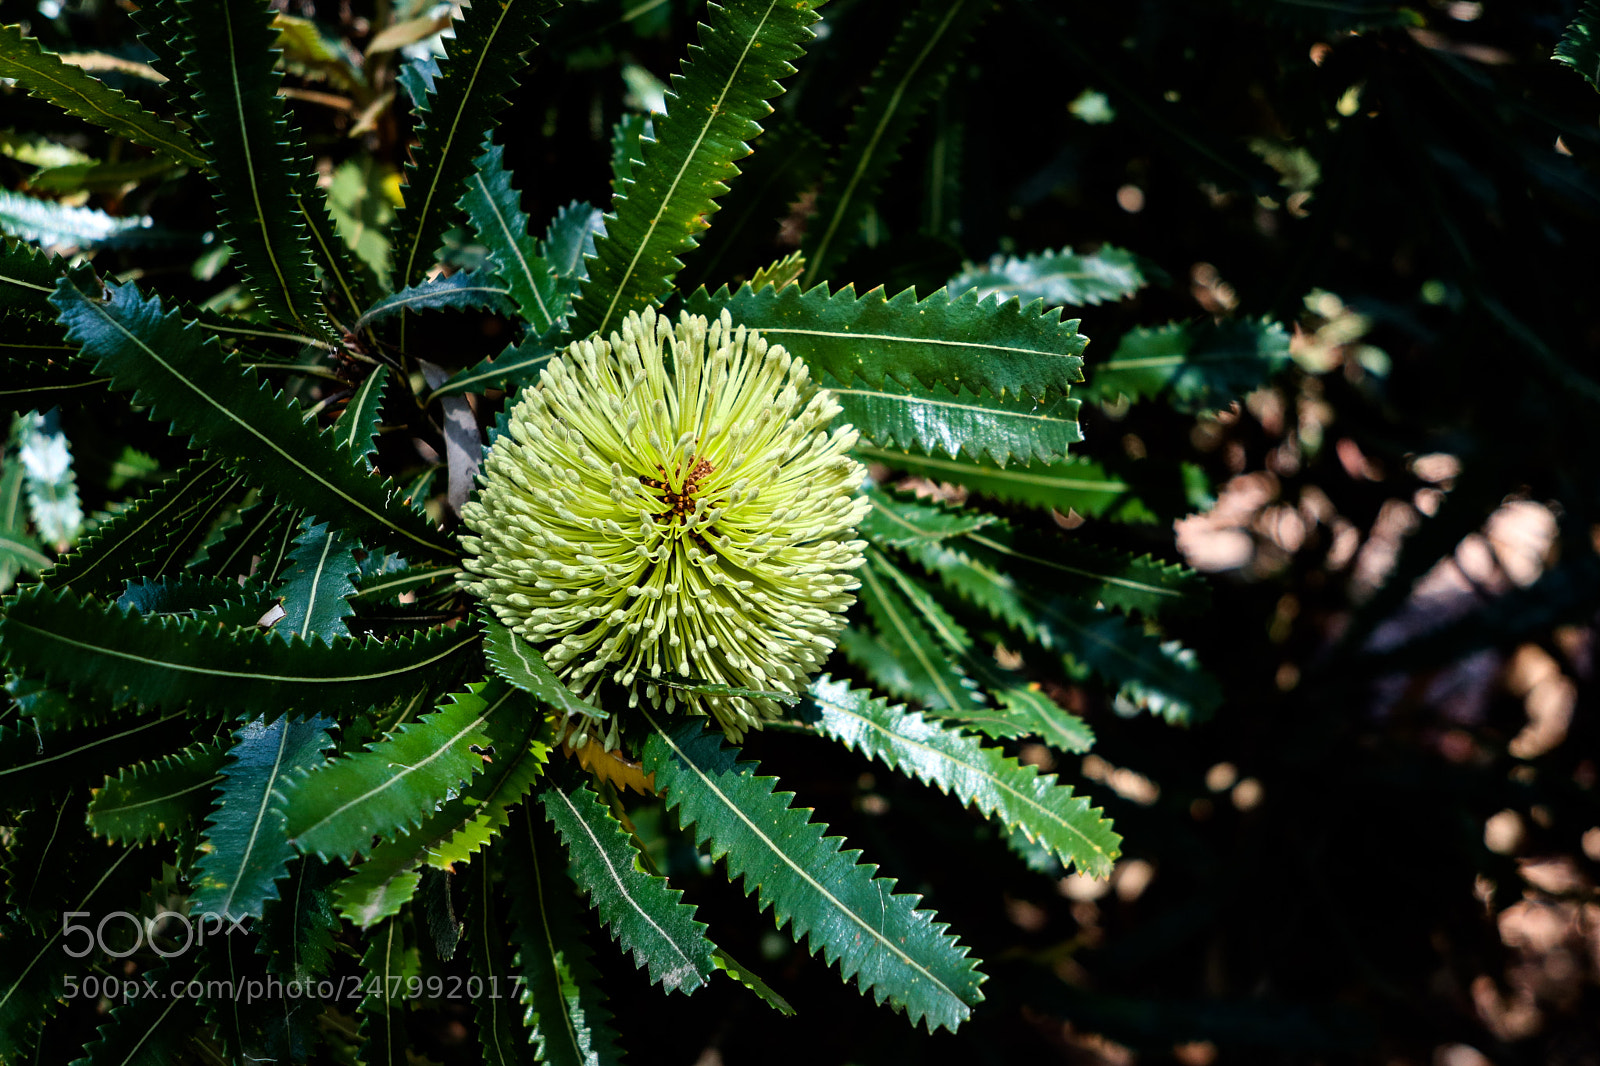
(1076, 484)
(43, 74)
(1579, 47)
(1045, 719)
(569, 242)
(228, 63)
(892, 949)
(218, 599)
(152, 800)
(175, 662)
(469, 290)
(182, 376)
(1058, 278)
(644, 914)
(518, 365)
(520, 663)
(394, 784)
(1006, 348)
(628, 138)
(896, 521)
(1193, 365)
(386, 586)
(316, 585)
(468, 90)
(245, 851)
(986, 779)
(495, 209)
(933, 419)
(914, 71)
(467, 823)
(565, 1008)
(148, 537)
(712, 110)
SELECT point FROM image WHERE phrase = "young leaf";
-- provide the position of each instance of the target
(182, 376)
(44, 75)
(173, 662)
(228, 63)
(745, 47)
(913, 72)
(1005, 348)
(569, 242)
(1194, 365)
(1580, 45)
(1057, 278)
(316, 587)
(466, 291)
(149, 801)
(879, 938)
(495, 209)
(564, 1006)
(245, 850)
(469, 87)
(335, 810)
(983, 778)
(935, 419)
(644, 913)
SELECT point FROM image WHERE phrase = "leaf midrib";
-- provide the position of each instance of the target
(1109, 579)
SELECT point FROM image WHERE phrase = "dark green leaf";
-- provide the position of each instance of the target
(570, 241)
(745, 47)
(504, 1039)
(959, 342)
(245, 850)
(181, 375)
(297, 929)
(1057, 278)
(1580, 45)
(983, 778)
(521, 664)
(1077, 484)
(28, 277)
(1193, 365)
(1068, 565)
(172, 662)
(495, 209)
(644, 913)
(316, 585)
(469, 88)
(152, 800)
(468, 290)
(895, 522)
(390, 962)
(925, 672)
(515, 366)
(628, 138)
(933, 419)
(228, 63)
(913, 72)
(357, 427)
(879, 938)
(397, 782)
(386, 586)
(43, 74)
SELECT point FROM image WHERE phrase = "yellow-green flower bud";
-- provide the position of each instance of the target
(670, 501)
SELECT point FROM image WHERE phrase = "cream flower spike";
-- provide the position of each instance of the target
(671, 502)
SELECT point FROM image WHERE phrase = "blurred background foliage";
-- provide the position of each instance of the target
(1383, 845)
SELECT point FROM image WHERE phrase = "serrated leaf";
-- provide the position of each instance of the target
(182, 375)
(356, 429)
(745, 47)
(517, 365)
(245, 850)
(628, 137)
(520, 663)
(1068, 565)
(1058, 278)
(43, 74)
(915, 69)
(264, 532)
(898, 952)
(297, 929)
(316, 585)
(467, 91)
(1056, 726)
(229, 65)
(495, 210)
(51, 484)
(1160, 675)
(1076, 484)
(565, 1008)
(218, 598)
(747, 977)
(59, 225)
(152, 800)
(28, 277)
(100, 177)
(502, 1035)
(926, 673)
(41, 764)
(569, 242)
(398, 781)
(934, 419)
(1005, 348)
(985, 779)
(643, 912)
(389, 963)
(1192, 365)
(174, 662)
(895, 522)
(1579, 47)
(387, 586)
(464, 291)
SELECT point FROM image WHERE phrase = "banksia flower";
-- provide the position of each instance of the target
(670, 504)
